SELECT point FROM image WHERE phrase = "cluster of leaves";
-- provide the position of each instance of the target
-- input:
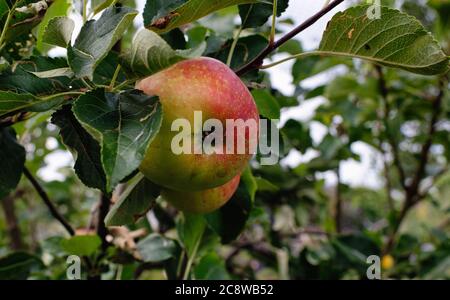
(283, 222)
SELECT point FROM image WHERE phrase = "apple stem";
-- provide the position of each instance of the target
(274, 20)
(84, 11)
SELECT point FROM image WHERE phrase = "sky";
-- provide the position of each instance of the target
(364, 173)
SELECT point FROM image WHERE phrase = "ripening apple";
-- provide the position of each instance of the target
(202, 202)
(187, 89)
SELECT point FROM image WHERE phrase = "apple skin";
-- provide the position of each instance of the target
(202, 202)
(200, 84)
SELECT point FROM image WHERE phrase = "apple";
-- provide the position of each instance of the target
(202, 202)
(210, 87)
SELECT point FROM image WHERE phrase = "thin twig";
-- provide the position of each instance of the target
(12, 223)
(338, 209)
(192, 257)
(115, 76)
(274, 20)
(434, 179)
(258, 61)
(388, 183)
(44, 196)
(11, 120)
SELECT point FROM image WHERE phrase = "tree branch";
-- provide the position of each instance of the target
(258, 61)
(434, 179)
(413, 189)
(54, 212)
(12, 223)
(384, 91)
(412, 194)
(103, 210)
(338, 207)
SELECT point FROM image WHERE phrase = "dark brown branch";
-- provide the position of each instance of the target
(412, 194)
(393, 236)
(434, 179)
(387, 110)
(413, 189)
(39, 189)
(11, 120)
(388, 185)
(103, 210)
(258, 61)
(12, 223)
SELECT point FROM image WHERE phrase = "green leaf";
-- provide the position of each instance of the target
(196, 36)
(155, 10)
(57, 8)
(101, 6)
(247, 48)
(134, 203)
(310, 66)
(265, 185)
(442, 7)
(96, 39)
(156, 248)
(340, 88)
(190, 231)
(150, 53)
(249, 181)
(175, 38)
(267, 104)
(11, 102)
(441, 270)
(211, 267)
(18, 266)
(237, 209)
(256, 15)
(66, 72)
(163, 16)
(291, 47)
(21, 80)
(330, 147)
(82, 245)
(124, 124)
(23, 20)
(103, 72)
(395, 40)
(4, 8)
(58, 32)
(12, 159)
(298, 135)
(85, 149)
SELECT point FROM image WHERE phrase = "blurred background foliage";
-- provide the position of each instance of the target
(302, 225)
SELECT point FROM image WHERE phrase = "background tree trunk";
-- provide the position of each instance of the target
(12, 223)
